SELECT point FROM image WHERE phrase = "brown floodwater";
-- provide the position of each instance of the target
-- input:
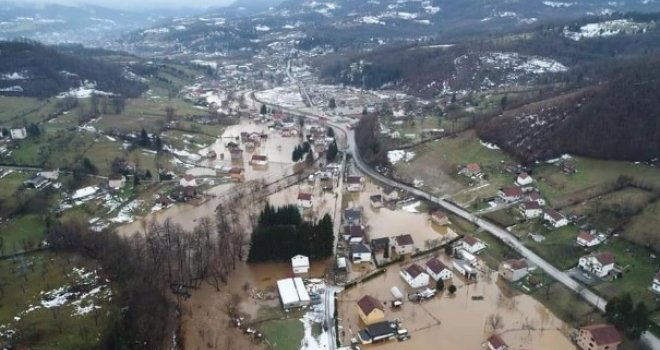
(384, 222)
(458, 322)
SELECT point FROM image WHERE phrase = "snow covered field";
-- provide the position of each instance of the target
(607, 28)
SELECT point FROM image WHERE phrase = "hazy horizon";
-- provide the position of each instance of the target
(131, 4)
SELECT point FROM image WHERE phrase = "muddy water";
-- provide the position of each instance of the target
(458, 322)
(275, 146)
(384, 222)
(205, 320)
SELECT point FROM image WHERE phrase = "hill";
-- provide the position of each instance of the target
(34, 70)
(617, 118)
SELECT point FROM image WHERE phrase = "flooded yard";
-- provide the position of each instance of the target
(384, 222)
(449, 320)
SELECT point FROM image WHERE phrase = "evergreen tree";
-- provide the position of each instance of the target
(158, 144)
(440, 285)
(263, 110)
(147, 175)
(331, 154)
(144, 139)
(332, 104)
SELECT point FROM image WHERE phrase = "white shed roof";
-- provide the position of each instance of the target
(300, 261)
(292, 291)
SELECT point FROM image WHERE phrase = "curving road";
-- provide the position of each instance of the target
(503, 235)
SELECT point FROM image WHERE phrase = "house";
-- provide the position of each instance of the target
(188, 181)
(586, 239)
(495, 342)
(510, 194)
(353, 234)
(403, 244)
(377, 332)
(360, 253)
(530, 210)
(655, 286)
(293, 293)
(464, 269)
(390, 194)
(236, 154)
(470, 170)
(440, 217)
(471, 244)
(305, 200)
(513, 270)
(354, 183)
(259, 160)
(18, 133)
(555, 218)
(599, 337)
(352, 216)
(438, 270)
(376, 201)
(237, 174)
(52, 175)
(524, 179)
(37, 182)
(116, 181)
(370, 310)
(534, 196)
(415, 276)
(300, 264)
(212, 155)
(380, 244)
(342, 265)
(600, 264)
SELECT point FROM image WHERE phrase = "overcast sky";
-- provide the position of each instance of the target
(141, 4)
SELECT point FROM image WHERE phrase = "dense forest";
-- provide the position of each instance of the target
(619, 118)
(368, 142)
(281, 234)
(31, 69)
(421, 69)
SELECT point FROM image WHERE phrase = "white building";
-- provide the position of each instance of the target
(415, 276)
(293, 293)
(116, 181)
(524, 179)
(600, 264)
(188, 181)
(300, 264)
(18, 133)
(471, 244)
(555, 218)
(354, 183)
(305, 200)
(510, 194)
(530, 210)
(360, 252)
(586, 239)
(438, 270)
(655, 286)
(513, 269)
(259, 160)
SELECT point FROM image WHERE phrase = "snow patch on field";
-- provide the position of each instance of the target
(527, 64)
(397, 156)
(85, 91)
(558, 4)
(489, 145)
(411, 208)
(607, 28)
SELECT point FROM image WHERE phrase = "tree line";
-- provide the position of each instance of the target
(282, 234)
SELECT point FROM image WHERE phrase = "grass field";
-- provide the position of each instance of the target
(59, 327)
(16, 109)
(559, 246)
(645, 227)
(562, 189)
(10, 183)
(438, 162)
(283, 331)
(17, 232)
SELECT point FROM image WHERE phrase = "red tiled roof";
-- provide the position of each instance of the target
(584, 235)
(436, 265)
(603, 334)
(353, 231)
(189, 177)
(235, 170)
(605, 258)
(368, 304)
(304, 196)
(530, 205)
(404, 240)
(555, 215)
(439, 214)
(470, 240)
(414, 270)
(354, 180)
(473, 167)
(517, 264)
(496, 341)
(523, 175)
(259, 157)
(512, 191)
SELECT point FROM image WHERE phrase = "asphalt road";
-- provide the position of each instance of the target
(503, 235)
